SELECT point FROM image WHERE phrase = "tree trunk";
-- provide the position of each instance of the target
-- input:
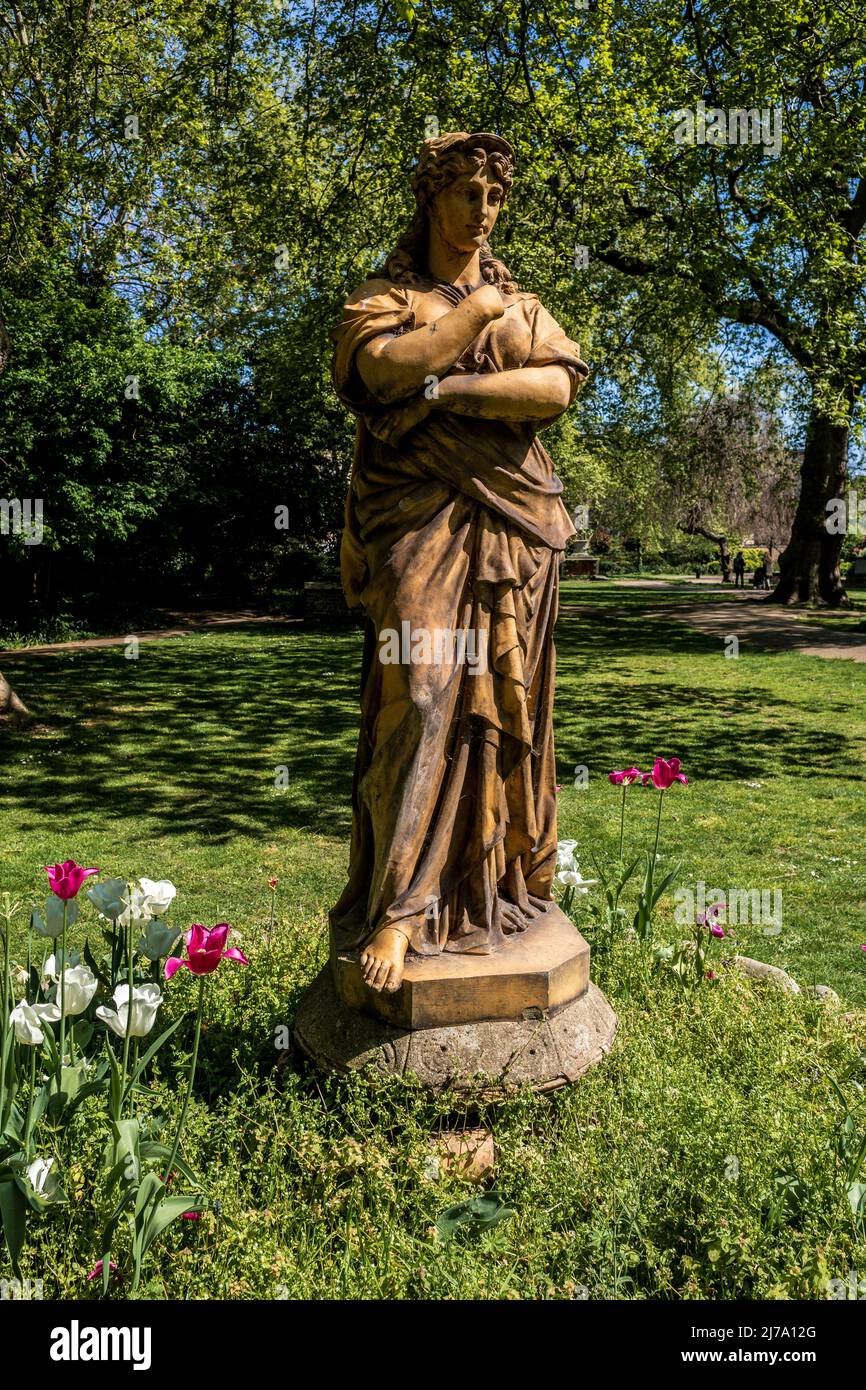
(718, 539)
(809, 565)
(10, 704)
(9, 701)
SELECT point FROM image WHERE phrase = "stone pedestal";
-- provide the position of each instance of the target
(579, 567)
(527, 1015)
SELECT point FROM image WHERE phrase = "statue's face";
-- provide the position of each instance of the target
(465, 212)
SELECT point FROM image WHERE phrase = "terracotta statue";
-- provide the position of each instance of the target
(453, 534)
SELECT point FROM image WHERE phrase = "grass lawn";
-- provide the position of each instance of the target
(697, 1161)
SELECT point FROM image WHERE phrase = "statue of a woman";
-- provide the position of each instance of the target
(454, 525)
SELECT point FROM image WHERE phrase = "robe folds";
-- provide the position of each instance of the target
(453, 531)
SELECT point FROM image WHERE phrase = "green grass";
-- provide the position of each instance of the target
(165, 766)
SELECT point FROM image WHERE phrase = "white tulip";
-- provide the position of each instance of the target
(159, 895)
(565, 854)
(44, 1183)
(136, 910)
(108, 897)
(27, 1018)
(81, 985)
(51, 924)
(146, 999)
(571, 878)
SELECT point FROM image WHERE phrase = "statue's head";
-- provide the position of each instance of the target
(460, 183)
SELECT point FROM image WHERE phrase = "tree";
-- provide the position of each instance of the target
(722, 469)
(719, 149)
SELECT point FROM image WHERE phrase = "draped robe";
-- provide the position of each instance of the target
(453, 523)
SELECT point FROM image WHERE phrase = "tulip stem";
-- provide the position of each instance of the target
(192, 1067)
(62, 997)
(622, 822)
(129, 1002)
(28, 1129)
(658, 828)
(134, 1069)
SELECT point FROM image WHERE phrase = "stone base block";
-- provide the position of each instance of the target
(493, 1057)
(538, 970)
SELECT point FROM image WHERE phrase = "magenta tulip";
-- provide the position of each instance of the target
(205, 948)
(664, 774)
(625, 779)
(99, 1266)
(64, 880)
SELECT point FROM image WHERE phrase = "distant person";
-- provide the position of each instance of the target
(768, 569)
(760, 576)
(739, 570)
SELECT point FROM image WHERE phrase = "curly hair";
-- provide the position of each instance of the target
(407, 263)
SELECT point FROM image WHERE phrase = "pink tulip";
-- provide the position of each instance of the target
(710, 919)
(205, 948)
(625, 779)
(191, 1216)
(64, 880)
(664, 774)
(98, 1268)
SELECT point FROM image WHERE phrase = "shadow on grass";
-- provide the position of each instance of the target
(192, 736)
(628, 687)
(189, 738)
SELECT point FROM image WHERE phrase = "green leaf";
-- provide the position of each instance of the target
(115, 1082)
(150, 1148)
(13, 1209)
(97, 969)
(478, 1214)
(168, 1210)
(857, 1198)
(665, 883)
(152, 1051)
(150, 1185)
(627, 875)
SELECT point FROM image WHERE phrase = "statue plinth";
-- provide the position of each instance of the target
(526, 1015)
(542, 968)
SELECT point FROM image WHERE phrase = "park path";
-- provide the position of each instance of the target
(744, 616)
(777, 629)
(187, 624)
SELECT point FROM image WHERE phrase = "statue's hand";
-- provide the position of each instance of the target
(391, 425)
(489, 300)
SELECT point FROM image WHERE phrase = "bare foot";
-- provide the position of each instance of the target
(382, 960)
